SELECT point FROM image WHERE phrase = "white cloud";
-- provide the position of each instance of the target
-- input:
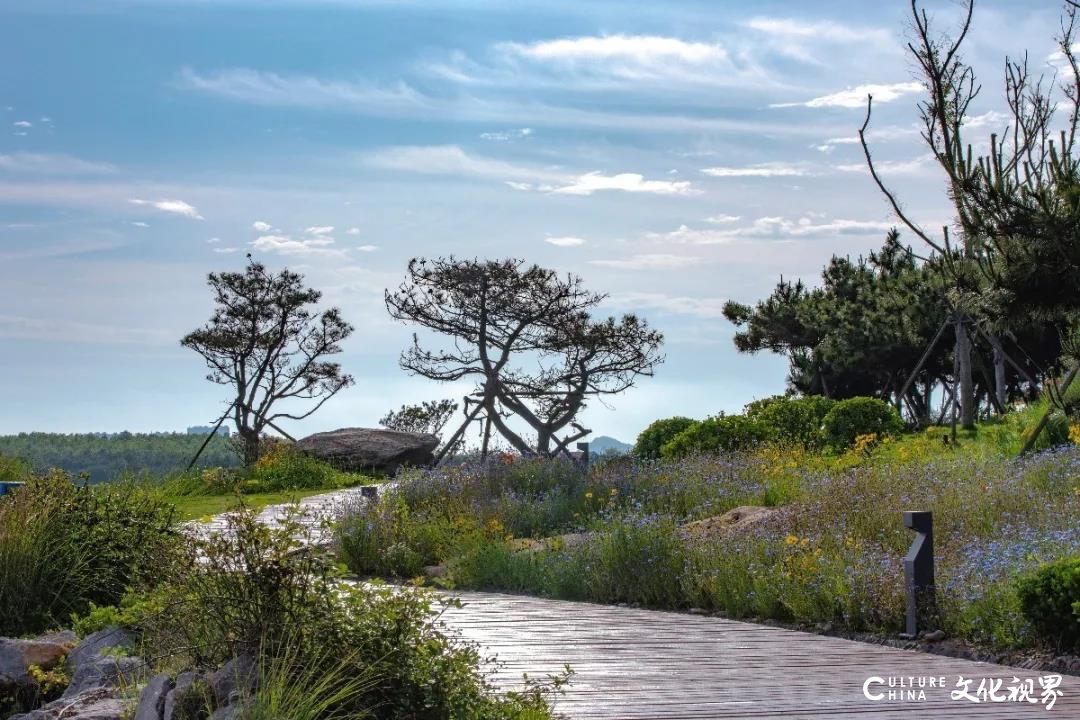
(856, 97)
(285, 245)
(760, 170)
(818, 31)
(565, 241)
(645, 50)
(626, 182)
(891, 167)
(367, 248)
(353, 231)
(214, 240)
(506, 135)
(23, 124)
(675, 305)
(722, 219)
(175, 207)
(37, 164)
(655, 261)
(262, 226)
(320, 230)
(772, 228)
(226, 250)
(986, 119)
(141, 224)
(519, 185)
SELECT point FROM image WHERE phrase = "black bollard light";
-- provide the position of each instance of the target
(919, 572)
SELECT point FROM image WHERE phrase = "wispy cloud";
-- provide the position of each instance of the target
(262, 226)
(452, 160)
(771, 228)
(320, 230)
(625, 182)
(722, 219)
(285, 245)
(703, 307)
(913, 166)
(505, 135)
(353, 231)
(565, 241)
(856, 97)
(174, 207)
(817, 30)
(139, 224)
(760, 170)
(43, 164)
(653, 261)
(63, 330)
(23, 124)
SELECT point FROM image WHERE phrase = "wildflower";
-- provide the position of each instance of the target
(588, 496)
(791, 540)
(805, 542)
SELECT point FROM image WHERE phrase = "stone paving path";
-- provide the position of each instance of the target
(649, 665)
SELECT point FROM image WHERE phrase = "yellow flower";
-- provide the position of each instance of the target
(791, 540)
(588, 496)
(1074, 433)
(614, 492)
(805, 542)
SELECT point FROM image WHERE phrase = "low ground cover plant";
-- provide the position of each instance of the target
(828, 551)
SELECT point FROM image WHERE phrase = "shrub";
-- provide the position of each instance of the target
(13, 469)
(792, 421)
(658, 434)
(848, 419)
(283, 467)
(723, 433)
(265, 590)
(1050, 600)
(63, 548)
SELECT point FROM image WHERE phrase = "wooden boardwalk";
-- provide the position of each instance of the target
(648, 665)
(644, 664)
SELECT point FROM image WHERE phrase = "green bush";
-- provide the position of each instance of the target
(13, 469)
(723, 433)
(848, 419)
(1050, 600)
(252, 589)
(65, 547)
(791, 420)
(658, 434)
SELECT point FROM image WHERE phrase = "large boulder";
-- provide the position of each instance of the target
(16, 657)
(370, 449)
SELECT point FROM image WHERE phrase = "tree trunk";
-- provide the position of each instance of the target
(966, 387)
(1000, 389)
(250, 440)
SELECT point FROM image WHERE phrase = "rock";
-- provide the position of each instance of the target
(16, 657)
(103, 671)
(95, 643)
(152, 700)
(183, 684)
(94, 705)
(235, 679)
(227, 713)
(435, 571)
(934, 636)
(697, 611)
(732, 521)
(370, 450)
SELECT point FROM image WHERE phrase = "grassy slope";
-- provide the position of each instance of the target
(196, 507)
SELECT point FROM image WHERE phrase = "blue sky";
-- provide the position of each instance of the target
(674, 154)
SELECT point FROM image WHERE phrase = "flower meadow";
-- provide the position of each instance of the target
(829, 550)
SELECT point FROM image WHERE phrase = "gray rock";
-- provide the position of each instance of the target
(235, 679)
(94, 705)
(184, 682)
(96, 643)
(227, 713)
(934, 636)
(152, 700)
(16, 657)
(370, 450)
(103, 671)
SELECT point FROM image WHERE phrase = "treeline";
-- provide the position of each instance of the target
(105, 457)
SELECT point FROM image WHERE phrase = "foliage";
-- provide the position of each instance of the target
(527, 338)
(657, 434)
(13, 469)
(723, 433)
(105, 457)
(858, 416)
(64, 548)
(792, 420)
(376, 651)
(269, 349)
(1050, 600)
(428, 417)
(831, 551)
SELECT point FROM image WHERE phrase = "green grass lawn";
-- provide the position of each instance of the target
(195, 507)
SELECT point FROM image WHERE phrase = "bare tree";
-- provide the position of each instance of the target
(524, 335)
(267, 345)
(1020, 159)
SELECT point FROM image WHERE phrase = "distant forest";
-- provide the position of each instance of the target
(106, 456)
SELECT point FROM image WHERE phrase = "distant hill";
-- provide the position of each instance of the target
(603, 444)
